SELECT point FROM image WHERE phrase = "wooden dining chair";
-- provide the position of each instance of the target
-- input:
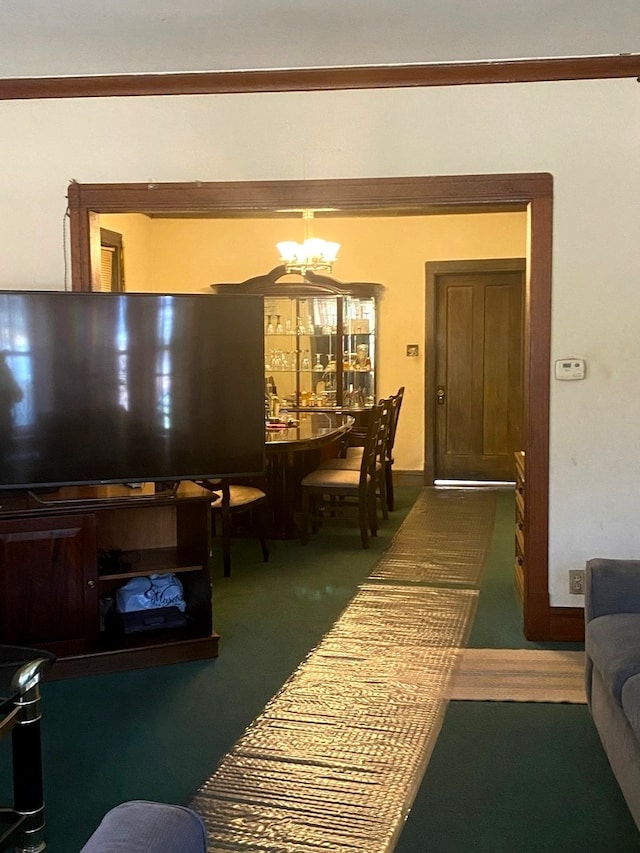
(354, 487)
(353, 455)
(230, 499)
(388, 460)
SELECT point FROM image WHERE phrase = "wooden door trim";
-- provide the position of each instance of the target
(323, 79)
(532, 192)
(434, 269)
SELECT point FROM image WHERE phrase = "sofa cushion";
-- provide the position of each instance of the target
(139, 826)
(631, 703)
(613, 644)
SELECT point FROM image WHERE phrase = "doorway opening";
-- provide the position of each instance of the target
(530, 192)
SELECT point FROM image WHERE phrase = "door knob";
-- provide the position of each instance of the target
(440, 395)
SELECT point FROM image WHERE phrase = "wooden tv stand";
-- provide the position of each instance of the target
(64, 553)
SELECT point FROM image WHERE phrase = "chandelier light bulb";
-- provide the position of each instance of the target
(313, 254)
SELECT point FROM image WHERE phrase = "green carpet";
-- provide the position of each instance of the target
(503, 776)
(510, 777)
(498, 620)
(159, 733)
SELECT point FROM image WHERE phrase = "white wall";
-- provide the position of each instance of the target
(584, 132)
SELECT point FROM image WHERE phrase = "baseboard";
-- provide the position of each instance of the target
(566, 624)
(408, 478)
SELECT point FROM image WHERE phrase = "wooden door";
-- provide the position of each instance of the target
(478, 357)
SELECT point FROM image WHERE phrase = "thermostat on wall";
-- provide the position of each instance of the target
(570, 368)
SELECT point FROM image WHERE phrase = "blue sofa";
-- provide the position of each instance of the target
(140, 826)
(612, 653)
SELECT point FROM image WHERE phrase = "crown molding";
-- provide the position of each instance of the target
(323, 79)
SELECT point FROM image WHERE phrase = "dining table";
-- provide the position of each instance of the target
(292, 452)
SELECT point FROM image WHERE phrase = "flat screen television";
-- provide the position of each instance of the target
(100, 388)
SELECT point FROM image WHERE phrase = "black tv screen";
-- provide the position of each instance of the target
(127, 388)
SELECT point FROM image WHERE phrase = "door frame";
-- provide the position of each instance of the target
(532, 192)
(433, 269)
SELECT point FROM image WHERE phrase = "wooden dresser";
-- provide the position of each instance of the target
(520, 552)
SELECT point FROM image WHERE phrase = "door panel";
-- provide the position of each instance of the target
(479, 368)
(48, 586)
(456, 410)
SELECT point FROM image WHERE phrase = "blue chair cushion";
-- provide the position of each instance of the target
(613, 644)
(139, 826)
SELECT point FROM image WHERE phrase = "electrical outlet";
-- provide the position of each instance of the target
(576, 581)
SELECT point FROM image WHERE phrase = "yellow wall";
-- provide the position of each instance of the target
(187, 255)
(136, 232)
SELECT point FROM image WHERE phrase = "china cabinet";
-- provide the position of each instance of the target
(320, 339)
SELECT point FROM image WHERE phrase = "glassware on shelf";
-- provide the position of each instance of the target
(363, 361)
(310, 343)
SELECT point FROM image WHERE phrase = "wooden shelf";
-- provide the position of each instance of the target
(50, 554)
(155, 561)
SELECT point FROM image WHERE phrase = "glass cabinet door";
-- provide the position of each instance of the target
(320, 351)
(281, 348)
(358, 352)
(323, 348)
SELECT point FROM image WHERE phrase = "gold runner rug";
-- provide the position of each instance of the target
(444, 540)
(335, 759)
(519, 675)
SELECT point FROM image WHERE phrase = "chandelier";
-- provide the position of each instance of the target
(312, 254)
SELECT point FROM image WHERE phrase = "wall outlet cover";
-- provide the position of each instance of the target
(576, 581)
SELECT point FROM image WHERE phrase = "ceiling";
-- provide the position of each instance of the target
(40, 38)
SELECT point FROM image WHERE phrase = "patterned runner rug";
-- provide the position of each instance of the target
(334, 760)
(443, 541)
(519, 675)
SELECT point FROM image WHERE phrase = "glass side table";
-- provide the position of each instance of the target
(21, 669)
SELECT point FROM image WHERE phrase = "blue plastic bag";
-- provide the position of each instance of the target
(149, 592)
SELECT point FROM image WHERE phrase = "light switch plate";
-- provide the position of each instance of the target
(570, 368)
